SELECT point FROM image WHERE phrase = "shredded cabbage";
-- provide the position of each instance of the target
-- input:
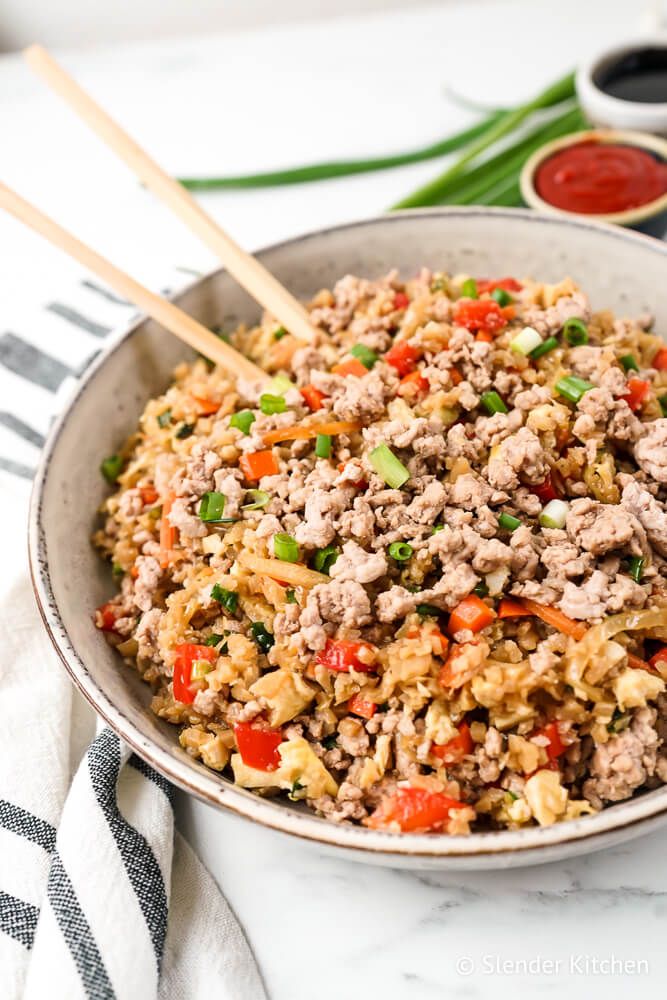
(595, 654)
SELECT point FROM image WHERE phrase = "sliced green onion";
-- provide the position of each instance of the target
(184, 431)
(242, 420)
(269, 404)
(323, 445)
(636, 568)
(492, 402)
(117, 570)
(575, 331)
(259, 499)
(436, 528)
(213, 639)
(329, 742)
(111, 468)
(508, 522)
(199, 669)
(502, 297)
(573, 387)
(554, 514)
(469, 289)
(262, 636)
(285, 547)
(279, 333)
(481, 590)
(280, 384)
(629, 364)
(324, 559)
(663, 404)
(164, 418)
(212, 507)
(229, 599)
(428, 610)
(526, 341)
(400, 551)
(547, 345)
(388, 467)
(364, 354)
(290, 596)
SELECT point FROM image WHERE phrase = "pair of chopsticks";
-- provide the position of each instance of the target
(247, 271)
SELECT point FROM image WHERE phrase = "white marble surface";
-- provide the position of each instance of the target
(322, 927)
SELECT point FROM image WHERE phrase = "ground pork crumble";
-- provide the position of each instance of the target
(415, 580)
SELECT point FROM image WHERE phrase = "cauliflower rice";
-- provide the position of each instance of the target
(418, 579)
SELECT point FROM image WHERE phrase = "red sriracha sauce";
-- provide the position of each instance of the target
(597, 178)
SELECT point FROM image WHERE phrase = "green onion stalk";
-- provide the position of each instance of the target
(431, 193)
(344, 168)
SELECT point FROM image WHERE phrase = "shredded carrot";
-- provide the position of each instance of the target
(306, 431)
(206, 407)
(314, 399)
(577, 630)
(293, 574)
(167, 532)
(552, 616)
(512, 609)
(455, 375)
(484, 337)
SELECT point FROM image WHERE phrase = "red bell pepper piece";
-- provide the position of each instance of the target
(660, 360)
(415, 380)
(256, 464)
(312, 397)
(105, 617)
(480, 314)
(490, 285)
(471, 613)
(187, 654)
(402, 357)
(258, 746)
(638, 391)
(360, 706)
(401, 301)
(341, 654)
(456, 749)
(413, 809)
(555, 747)
(659, 658)
(545, 490)
(148, 495)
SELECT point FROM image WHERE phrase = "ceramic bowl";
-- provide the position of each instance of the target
(619, 269)
(611, 112)
(650, 218)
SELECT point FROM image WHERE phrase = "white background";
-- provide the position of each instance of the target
(324, 928)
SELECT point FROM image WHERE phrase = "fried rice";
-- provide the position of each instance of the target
(416, 580)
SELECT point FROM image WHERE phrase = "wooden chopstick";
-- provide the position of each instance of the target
(161, 310)
(248, 271)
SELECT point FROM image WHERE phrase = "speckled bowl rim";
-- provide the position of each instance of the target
(629, 137)
(494, 849)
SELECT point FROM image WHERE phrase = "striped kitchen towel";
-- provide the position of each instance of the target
(100, 897)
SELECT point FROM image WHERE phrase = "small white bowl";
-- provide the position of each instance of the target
(648, 218)
(612, 112)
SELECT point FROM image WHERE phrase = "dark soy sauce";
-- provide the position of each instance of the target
(639, 75)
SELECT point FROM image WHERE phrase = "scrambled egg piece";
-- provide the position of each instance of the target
(633, 687)
(546, 797)
(299, 765)
(286, 695)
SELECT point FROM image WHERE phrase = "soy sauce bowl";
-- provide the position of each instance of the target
(607, 111)
(650, 218)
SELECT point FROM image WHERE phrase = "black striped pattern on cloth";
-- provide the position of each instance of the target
(40, 363)
(18, 919)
